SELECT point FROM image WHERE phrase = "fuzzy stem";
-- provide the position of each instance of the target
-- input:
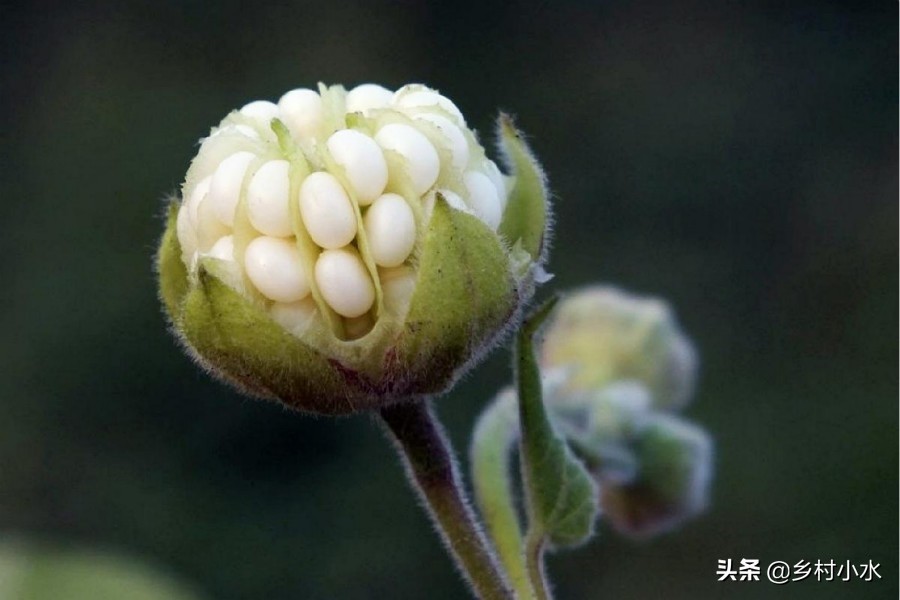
(492, 482)
(534, 562)
(431, 469)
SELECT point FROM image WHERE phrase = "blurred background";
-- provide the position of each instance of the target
(739, 159)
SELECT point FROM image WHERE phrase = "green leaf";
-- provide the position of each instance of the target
(561, 495)
(525, 218)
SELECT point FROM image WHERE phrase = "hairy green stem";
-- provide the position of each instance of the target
(492, 442)
(534, 563)
(428, 459)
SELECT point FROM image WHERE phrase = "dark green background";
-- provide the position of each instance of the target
(739, 159)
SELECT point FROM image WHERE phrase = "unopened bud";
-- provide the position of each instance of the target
(337, 251)
(602, 334)
(671, 485)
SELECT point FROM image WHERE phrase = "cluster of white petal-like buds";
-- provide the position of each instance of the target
(368, 178)
(330, 211)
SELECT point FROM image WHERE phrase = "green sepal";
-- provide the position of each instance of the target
(173, 279)
(465, 296)
(560, 493)
(242, 345)
(525, 219)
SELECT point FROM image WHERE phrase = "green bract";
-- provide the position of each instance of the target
(399, 312)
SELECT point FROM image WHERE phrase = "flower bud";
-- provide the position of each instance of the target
(653, 468)
(602, 334)
(339, 251)
(671, 484)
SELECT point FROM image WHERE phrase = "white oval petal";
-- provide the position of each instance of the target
(260, 110)
(187, 235)
(301, 111)
(223, 249)
(274, 267)
(326, 211)
(483, 198)
(268, 202)
(496, 177)
(390, 230)
(198, 194)
(225, 187)
(209, 228)
(244, 130)
(368, 96)
(424, 97)
(363, 163)
(397, 285)
(456, 141)
(422, 161)
(297, 316)
(455, 201)
(344, 282)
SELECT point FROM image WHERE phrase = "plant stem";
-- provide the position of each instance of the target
(534, 562)
(431, 469)
(492, 442)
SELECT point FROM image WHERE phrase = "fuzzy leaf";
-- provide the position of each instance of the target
(561, 496)
(525, 218)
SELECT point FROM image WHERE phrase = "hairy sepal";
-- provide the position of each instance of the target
(525, 221)
(466, 295)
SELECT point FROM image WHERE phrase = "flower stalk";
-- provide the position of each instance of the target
(492, 443)
(534, 565)
(431, 468)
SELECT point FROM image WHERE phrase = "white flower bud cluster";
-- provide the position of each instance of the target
(350, 217)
